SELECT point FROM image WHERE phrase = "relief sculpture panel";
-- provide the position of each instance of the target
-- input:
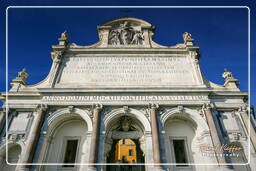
(126, 34)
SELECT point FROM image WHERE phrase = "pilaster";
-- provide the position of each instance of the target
(248, 125)
(207, 108)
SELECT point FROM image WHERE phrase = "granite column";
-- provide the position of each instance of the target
(33, 137)
(155, 135)
(95, 136)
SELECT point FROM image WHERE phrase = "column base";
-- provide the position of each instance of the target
(92, 169)
(156, 169)
(225, 169)
(23, 169)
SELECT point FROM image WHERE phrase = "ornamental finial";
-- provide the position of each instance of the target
(187, 37)
(63, 40)
(22, 74)
(230, 81)
(64, 35)
(227, 74)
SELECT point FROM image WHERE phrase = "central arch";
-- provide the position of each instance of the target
(125, 126)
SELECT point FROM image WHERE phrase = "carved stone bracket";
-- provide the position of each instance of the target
(180, 109)
(126, 109)
(71, 109)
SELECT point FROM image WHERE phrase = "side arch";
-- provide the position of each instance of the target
(63, 113)
(186, 113)
(56, 123)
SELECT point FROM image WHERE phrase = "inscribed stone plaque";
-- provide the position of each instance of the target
(127, 71)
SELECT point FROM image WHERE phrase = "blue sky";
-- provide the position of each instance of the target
(221, 33)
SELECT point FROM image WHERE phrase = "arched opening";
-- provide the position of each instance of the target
(67, 144)
(14, 152)
(180, 135)
(124, 142)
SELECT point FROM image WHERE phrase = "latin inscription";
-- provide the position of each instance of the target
(103, 98)
(127, 71)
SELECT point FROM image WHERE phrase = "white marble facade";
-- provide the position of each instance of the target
(160, 89)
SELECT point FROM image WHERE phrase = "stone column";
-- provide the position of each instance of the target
(2, 119)
(248, 126)
(95, 136)
(155, 135)
(213, 131)
(33, 137)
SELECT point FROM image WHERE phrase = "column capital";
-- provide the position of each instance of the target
(42, 107)
(243, 108)
(97, 106)
(153, 105)
(207, 106)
